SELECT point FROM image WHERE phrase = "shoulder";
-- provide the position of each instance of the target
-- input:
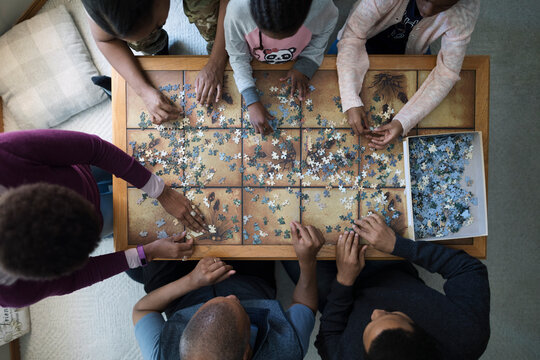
(238, 9)
(461, 18)
(322, 8)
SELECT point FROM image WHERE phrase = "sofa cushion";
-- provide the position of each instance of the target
(45, 71)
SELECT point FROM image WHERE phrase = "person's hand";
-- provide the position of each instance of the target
(307, 241)
(159, 107)
(374, 230)
(357, 118)
(384, 134)
(181, 208)
(173, 247)
(350, 258)
(209, 271)
(209, 83)
(259, 117)
(299, 82)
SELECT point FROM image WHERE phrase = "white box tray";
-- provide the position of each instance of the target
(474, 170)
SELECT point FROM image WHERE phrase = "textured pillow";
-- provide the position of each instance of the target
(45, 71)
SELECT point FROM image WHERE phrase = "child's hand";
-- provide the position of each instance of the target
(259, 116)
(307, 241)
(374, 230)
(385, 134)
(299, 82)
(209, 83)
(350, 258)
(159, 107)
(209, 271)
(357, 118)
(172, 247)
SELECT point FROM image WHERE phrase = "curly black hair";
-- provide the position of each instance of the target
(279, 16)
(119, 17)
(47, 231)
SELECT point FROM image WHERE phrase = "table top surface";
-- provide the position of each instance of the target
(313, 169)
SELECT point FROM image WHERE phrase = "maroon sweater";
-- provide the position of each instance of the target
(64, 158)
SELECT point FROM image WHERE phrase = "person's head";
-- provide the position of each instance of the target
(429, 8)
(393, 335)
(129, 20)
(279, 19)
(47, 231)
(220, 329)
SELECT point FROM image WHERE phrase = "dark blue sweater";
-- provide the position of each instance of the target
(459, 320)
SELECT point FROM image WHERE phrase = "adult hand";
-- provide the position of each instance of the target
(173, 247)
(159, 107)
(209, 82)
(350, 258)
(259, 117)
(374, 230)
(181, 208)
(209, 271)
(299, 82)
(307, 241)
(357, 118)
(384, 134)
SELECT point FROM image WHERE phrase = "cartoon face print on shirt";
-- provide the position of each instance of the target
(278, 56)
(277, 51)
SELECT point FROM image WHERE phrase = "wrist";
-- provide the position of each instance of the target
(148, 250)
(217, 62)
(307, 263)
(345, 280)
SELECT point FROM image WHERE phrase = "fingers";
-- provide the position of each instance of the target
(197, 90)
(192, 222)
(313, 234)
(179, 238)
(362, 255)
(348, 242)
(204, 92)
(361, 232)
(294, 233)
(378, 218)
(354, 248)
(303, 90)
(363, 118)
(210, 97)
(304, 234)
(293, 87)
(219, 89)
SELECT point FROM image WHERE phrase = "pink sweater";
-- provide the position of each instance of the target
(369, 17)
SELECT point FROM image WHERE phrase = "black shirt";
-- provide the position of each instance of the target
(393, 40)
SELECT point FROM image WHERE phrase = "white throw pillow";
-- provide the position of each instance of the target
(45, 71)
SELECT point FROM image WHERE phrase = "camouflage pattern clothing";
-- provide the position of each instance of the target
(203, 13)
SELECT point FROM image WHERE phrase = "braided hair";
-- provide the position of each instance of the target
(279, 16)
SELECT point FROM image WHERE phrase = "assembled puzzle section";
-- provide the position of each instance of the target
(311, 169)
(447, 186)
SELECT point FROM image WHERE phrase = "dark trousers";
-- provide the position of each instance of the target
(104, 184)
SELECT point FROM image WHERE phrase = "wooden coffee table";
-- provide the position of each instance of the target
(313, 169)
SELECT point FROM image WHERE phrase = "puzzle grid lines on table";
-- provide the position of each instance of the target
(312, 169)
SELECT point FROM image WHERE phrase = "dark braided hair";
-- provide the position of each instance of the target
(119, 17)
(279, 16)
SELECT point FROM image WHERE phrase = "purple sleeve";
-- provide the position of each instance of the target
(61, 148)
(27, 292)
